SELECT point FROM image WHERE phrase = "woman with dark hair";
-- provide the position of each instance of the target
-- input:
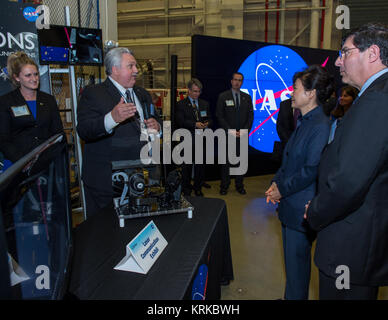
(295, 182)
(28, 116)
(348, 95)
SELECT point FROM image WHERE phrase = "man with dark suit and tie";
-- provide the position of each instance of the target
(193, 113)
(234, 112)
(350, 210)
(111, 117)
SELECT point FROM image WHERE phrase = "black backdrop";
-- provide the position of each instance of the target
(214, 60)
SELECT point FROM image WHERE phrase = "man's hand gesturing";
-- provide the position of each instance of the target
(122, 111)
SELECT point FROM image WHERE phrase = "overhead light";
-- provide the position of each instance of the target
(110, 44)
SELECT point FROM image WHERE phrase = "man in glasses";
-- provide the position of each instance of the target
(193, 113)
(350, 211)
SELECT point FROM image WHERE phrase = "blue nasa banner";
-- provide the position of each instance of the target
(268, 76)
(268, 70)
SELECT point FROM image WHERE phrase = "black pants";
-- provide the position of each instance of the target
(225, 178)
(329, 291)
(199, 170)
(95, 201)
(225, 173)
(198, 177)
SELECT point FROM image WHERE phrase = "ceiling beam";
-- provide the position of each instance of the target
(154, 41)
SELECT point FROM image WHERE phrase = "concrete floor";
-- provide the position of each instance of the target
(256, 243)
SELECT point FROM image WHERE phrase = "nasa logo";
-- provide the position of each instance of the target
(30, 14)
(268, 76)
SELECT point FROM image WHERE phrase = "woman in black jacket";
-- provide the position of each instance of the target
(28, 116)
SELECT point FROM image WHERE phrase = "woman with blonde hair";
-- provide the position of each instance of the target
(28, 116)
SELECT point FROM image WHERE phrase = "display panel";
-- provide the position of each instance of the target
(268, 70)
(70, 46)
(36, 213)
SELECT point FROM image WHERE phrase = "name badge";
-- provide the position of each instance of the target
(230, 103)
(19, 111)
(143, 250)
(203, 113)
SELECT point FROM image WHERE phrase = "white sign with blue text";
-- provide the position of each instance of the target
(143, 250)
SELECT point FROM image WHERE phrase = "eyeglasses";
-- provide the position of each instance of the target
(344, 52)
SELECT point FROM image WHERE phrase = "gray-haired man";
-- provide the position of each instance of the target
(111, 116)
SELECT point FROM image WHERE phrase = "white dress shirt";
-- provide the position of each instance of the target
(109, 123)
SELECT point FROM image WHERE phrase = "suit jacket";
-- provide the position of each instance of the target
(19, 135)
(284, 127)
(185, 114)
(350, 210)
(95, 102)
(285, 122)
(296, 178)
(227, 115)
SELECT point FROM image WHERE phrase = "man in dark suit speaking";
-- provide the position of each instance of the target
(234, 112)
(350, 210)
(111, 117)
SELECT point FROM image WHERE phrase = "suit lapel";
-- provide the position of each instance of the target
(113, 91)
(190, 108)
(242, 100)
(39, 106)
(19, 97)
(142, 101)
(231, 96)
(383, 77)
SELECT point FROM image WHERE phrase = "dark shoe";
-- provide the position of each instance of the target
(223, 192)
(224, 282)
(198, 193)
(205, 185)
(241, 191)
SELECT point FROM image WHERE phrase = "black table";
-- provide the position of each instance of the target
(99, 245)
